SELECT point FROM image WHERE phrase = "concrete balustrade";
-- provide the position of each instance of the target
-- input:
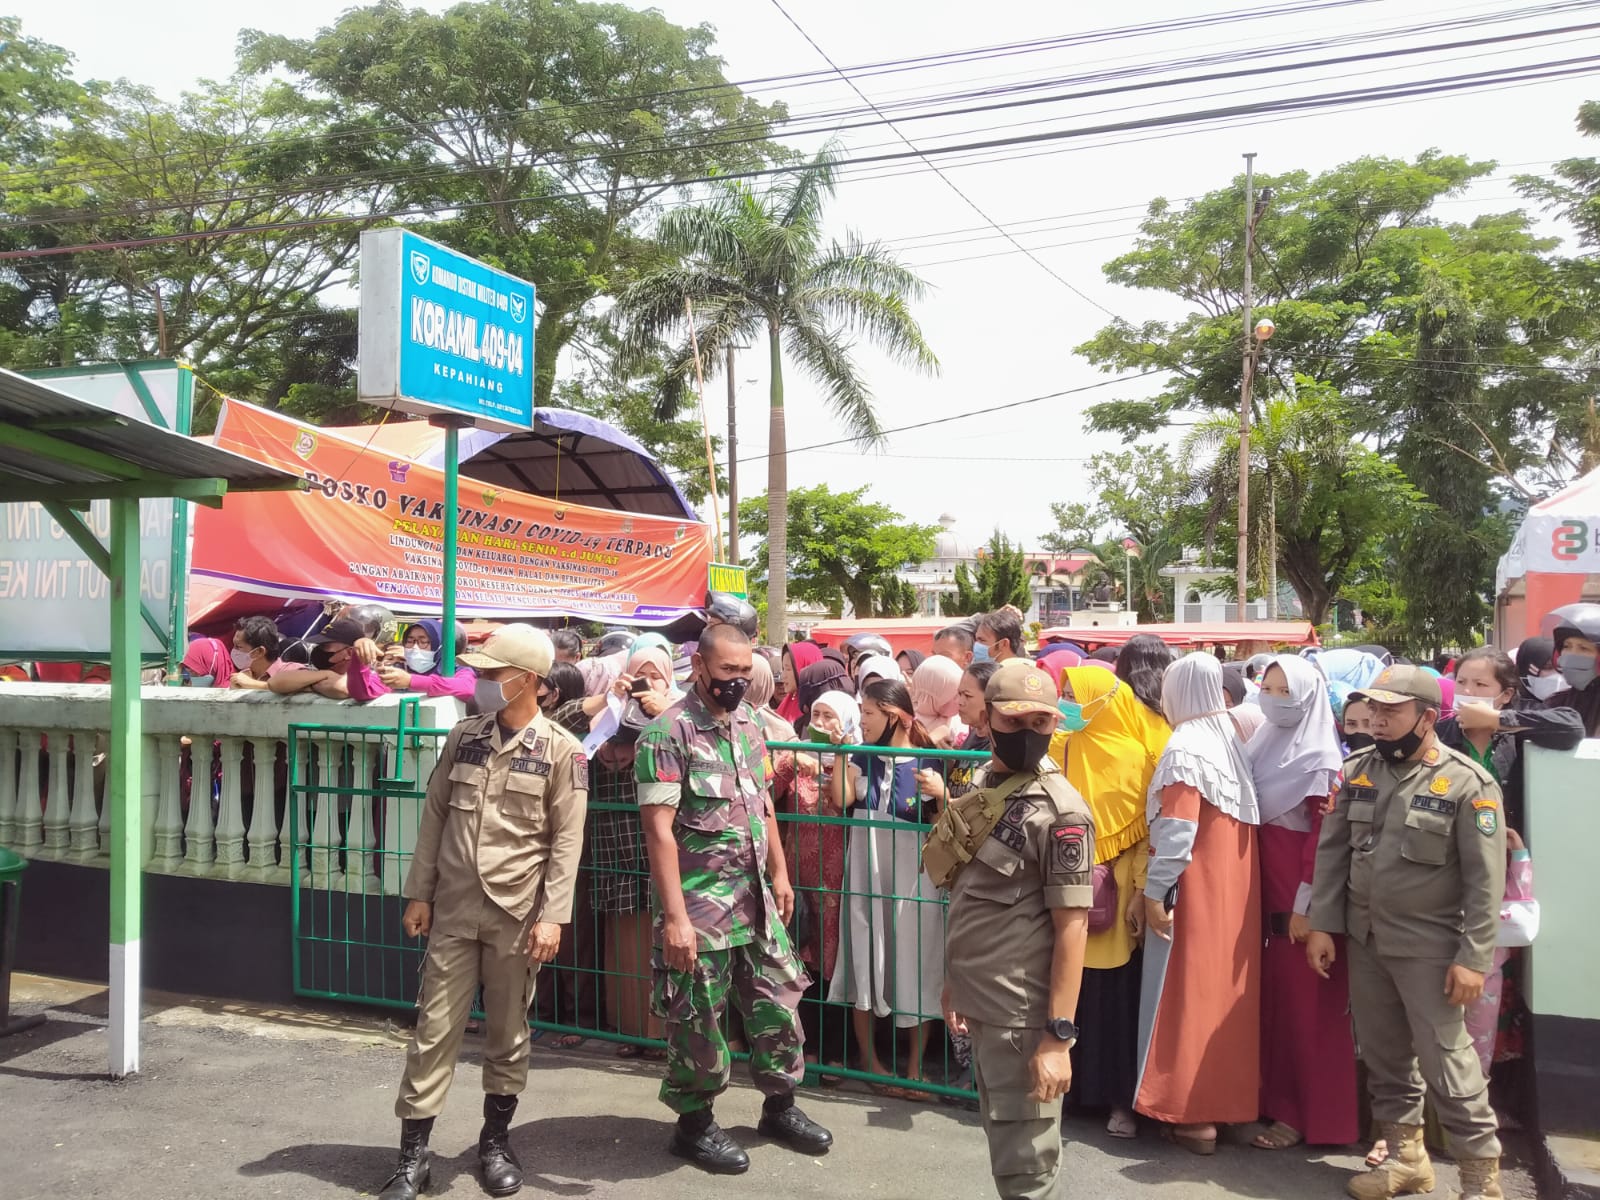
(233, 822)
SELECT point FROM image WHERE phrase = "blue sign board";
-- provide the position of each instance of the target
(444, 333)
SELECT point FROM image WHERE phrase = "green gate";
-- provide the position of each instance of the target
(354, 804)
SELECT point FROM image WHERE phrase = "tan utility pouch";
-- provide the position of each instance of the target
(961, 828)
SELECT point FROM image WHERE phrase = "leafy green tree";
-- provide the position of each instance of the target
(841, 546)
(1140, 493)
(754, 264)
(1001, 578)
(898, 598)
(1352, 265)
(1319, 498)
(544, 131)
(244, 308)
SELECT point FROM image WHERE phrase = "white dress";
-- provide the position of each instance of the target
(892, 952)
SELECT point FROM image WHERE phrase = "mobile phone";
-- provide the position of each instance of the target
(639, 688)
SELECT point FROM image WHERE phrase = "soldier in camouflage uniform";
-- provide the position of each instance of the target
(722, 900)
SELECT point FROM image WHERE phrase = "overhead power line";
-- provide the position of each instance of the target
(835, 120)
(1258, 111)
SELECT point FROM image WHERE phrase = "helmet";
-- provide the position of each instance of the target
(1573, 620)
(726, 609)
(859, 644)
(615, 640)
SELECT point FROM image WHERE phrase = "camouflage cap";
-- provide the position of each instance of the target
(1019, 689)
(1396, 685)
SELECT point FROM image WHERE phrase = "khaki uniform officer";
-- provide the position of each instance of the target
(1015, 940)
(1411, 867)
(490, 885)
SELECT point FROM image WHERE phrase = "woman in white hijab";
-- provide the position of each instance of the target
(1199, 1010)
(1308, 1060)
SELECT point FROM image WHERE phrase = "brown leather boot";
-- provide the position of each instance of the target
(1408, 1171)
(1480, 1179)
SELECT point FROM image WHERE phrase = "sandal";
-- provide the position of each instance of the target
(1277, 1136)
(1378, 1155)
(1123, 1124)
(570, 1041)
(1205, 1147)
(893, 1092)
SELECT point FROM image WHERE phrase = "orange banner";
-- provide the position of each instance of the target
(372, 528)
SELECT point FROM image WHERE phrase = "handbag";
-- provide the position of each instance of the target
(1103, 906)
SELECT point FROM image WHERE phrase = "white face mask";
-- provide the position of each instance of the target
(420, 660)
(1542, 687)
(241, 659)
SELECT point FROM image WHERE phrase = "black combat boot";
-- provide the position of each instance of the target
(497, 1162)
(780, 1119)
(706, 1144)
(416, 1162)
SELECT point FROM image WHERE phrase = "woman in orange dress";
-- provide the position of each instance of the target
(1200, 1005)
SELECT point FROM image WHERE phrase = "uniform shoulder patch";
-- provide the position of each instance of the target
(1486, 816)
(1069, 849)
(580, 771)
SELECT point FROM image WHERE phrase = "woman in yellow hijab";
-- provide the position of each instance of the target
(1109, 746)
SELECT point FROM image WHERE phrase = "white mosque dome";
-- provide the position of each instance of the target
(950, 545)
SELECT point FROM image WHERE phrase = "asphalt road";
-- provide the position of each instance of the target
(241, 1102)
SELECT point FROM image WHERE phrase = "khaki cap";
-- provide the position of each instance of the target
(519, 646)
(1398, 684)
(1021, 689)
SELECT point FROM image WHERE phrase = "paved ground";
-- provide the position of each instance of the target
(245, 1102)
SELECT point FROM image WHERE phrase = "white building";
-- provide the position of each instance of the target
(1056, 578)
(1193, 604)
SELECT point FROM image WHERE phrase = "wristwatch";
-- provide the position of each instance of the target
(1062, 1029)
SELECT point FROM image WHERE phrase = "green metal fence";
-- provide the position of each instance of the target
(868, 924)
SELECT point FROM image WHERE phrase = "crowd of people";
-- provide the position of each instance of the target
(1287, 868)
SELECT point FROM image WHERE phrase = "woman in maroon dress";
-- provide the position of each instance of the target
(1308, 1060)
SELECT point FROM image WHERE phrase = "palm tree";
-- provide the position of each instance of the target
(756, 262)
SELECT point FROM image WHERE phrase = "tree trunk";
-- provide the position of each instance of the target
(777, 503)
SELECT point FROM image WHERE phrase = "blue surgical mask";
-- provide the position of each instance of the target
(1578, 668)
(1072, 719)
(980, 652)
(1285, 714)
(420, 660)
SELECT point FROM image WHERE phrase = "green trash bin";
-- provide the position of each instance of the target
(11, 868)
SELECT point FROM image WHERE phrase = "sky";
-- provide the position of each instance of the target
(1003, 325)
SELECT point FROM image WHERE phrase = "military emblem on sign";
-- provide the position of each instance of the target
(519, 309)
(419, 266)
(490, 495)
(305, 443)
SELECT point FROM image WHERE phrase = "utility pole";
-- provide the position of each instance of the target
(1244, 389)
(733, 463)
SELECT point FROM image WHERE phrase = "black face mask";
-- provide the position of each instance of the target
(1401, 748)
(1358, 741)
(727, 694)
(1020, 749)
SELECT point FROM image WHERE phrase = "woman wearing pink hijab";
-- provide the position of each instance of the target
(796, 657)
(207, 662)
(934, 685)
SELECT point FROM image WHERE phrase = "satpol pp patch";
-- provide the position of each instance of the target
(1069, 849)
(580, 771)
(1486, 816)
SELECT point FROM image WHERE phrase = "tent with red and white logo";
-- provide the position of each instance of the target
(1554, 559)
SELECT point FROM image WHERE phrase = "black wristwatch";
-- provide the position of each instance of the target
(1062, 1029)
